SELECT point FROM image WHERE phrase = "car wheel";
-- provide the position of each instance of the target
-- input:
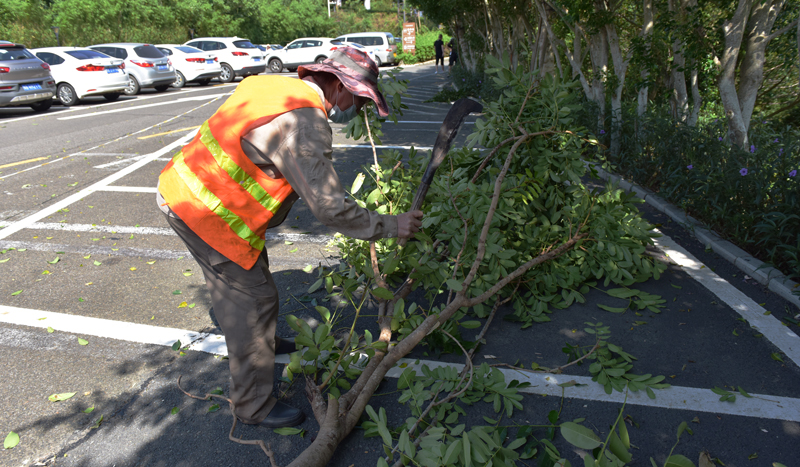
(320, 60)
(227, 74)
(378, 61)
(180, 80)
(204, 82)
(41, 106)
(275, 65)
(133, 86)
(66, 94)
(162, 88)
(111, 97)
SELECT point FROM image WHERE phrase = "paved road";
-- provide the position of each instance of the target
(94, 259)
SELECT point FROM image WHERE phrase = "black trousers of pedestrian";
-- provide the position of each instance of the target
(246, 305)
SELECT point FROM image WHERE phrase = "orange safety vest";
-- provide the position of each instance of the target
(215, 188)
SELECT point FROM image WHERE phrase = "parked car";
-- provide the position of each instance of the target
(302, 52)
(24, 79)
(192, 65)
(382, 43)
(367, 50)
(147, 67)
(237, 56)
(80, 72)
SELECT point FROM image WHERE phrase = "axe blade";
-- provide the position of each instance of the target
(447, 133)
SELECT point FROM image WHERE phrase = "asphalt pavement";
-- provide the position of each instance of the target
(88, 254)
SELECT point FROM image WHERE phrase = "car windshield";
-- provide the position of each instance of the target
(337, 43)
(390, 38)
(261, 48)
(188, 50)
(86, 54)
(244, 44)
(148, 51)
(14, 53)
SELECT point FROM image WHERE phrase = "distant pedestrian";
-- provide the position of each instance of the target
(453, 54)
(438, 47)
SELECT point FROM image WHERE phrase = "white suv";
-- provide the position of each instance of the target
(302, 51)
(382, 43)
(237, 56)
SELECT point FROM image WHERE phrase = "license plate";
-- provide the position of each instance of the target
(112, 70)
(31, 87)
(209, 62)
(162, 67)
(256, 59)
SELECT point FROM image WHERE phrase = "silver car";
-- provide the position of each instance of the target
(147, 66)
(24, 79)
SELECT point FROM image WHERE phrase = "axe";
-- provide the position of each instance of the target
(447, 133)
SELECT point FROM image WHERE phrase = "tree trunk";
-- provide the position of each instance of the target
(697, 100)
(647, 33)
(680, 97)
(733, 31)
(751, 72)
(620, 70)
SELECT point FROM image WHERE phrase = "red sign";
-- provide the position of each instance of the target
(409, 37)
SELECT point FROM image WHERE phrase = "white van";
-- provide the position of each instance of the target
(381, 43)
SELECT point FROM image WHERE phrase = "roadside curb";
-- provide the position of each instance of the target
(766, 275)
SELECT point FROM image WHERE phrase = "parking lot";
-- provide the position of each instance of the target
(89, 256)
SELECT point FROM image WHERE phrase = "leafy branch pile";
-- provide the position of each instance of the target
(511, 224)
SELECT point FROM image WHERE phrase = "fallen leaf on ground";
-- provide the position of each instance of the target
(60, 397)
(12, 439)
(183, 305)
(83, 341)
(51, 330)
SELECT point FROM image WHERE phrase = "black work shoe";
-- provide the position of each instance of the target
(283, 415)
(284, 345)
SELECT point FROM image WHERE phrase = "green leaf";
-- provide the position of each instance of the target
(454, 284)
(50, 330)
(611, 308)
(60, 397)
(217, 391)
(55, 260)
(744, 393)
(4, 260)
(20, 291)
(382, 293)
(82, 341)
(316, 285)
(288, 431)
(213, 408)
(677, 460)
(176, 345)
(12, 439)
(470, 324)
(97, 263)
(357, 183)
(308, 268)
(89, 410)
(579, 436)
(175, 410)
(775, 355)
(681, 429)
(618, 448)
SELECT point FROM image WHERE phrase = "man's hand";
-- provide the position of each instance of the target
(408, 224)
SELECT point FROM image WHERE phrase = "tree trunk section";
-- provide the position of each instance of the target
(733, 31)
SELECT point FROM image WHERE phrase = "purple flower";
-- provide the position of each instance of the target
(720, 138)
(752, 148)
(743, 172)
(690, 166)
(776, 140)
(602, 132)
(793, 173)
(463, 79)
(780, 151)
(716, 120)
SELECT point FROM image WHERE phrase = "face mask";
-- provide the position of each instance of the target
(338, 115)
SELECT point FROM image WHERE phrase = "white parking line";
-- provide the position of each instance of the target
(108, 142)
(106, 104)
(52, 209)
(772, 328)
(381, 146)
(675, 397)
(146, 106)
(121, 229)
(131, 189)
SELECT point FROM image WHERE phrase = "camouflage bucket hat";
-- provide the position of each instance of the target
(355, 70)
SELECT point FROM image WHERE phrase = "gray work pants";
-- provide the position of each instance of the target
(246, 305)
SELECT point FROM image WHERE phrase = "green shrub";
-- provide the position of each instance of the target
(749, 196)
